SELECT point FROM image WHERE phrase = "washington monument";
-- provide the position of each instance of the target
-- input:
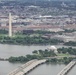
(10, 25)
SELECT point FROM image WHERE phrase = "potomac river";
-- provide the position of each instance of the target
(7, 51)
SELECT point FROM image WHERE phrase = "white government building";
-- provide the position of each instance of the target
(53, 48)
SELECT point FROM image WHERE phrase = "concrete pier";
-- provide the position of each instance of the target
(66, 69)
(27, 67)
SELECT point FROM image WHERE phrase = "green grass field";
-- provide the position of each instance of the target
(65, 55)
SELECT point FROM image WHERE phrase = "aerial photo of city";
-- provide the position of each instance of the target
(37, 37)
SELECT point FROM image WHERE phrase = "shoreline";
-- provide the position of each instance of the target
(37, 45)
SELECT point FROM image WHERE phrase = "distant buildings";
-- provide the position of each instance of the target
(64, 38)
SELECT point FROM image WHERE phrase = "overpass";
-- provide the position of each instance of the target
(27, 67)
(66, 69)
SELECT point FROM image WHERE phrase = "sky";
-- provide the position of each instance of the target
(46, 0)
(43, 0)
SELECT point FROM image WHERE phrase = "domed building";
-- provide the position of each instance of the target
(53, 48)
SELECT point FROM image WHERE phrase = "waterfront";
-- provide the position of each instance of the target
(17, 50)
(6, 67)
(50, 69)
(73, 71)
(7, 51)
(47, 69)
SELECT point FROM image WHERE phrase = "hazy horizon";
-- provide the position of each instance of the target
(37, 0)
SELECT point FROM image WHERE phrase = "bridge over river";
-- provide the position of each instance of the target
(66, 69)
(27, 67)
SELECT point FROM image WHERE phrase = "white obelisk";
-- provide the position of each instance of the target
(10, 25)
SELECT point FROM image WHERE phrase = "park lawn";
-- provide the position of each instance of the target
(3, 35)
(64, 55)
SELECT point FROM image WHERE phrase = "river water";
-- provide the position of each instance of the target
(47, 69)
(72, 71)
(6, 67)
(16, 50)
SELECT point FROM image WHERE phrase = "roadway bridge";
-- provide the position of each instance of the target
(66, 69)
(27, 67)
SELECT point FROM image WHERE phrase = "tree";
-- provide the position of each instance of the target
(35, 52)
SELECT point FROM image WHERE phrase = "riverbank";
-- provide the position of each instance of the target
(7, 51)
(33, 40)
(28, 40)
(49, 55)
